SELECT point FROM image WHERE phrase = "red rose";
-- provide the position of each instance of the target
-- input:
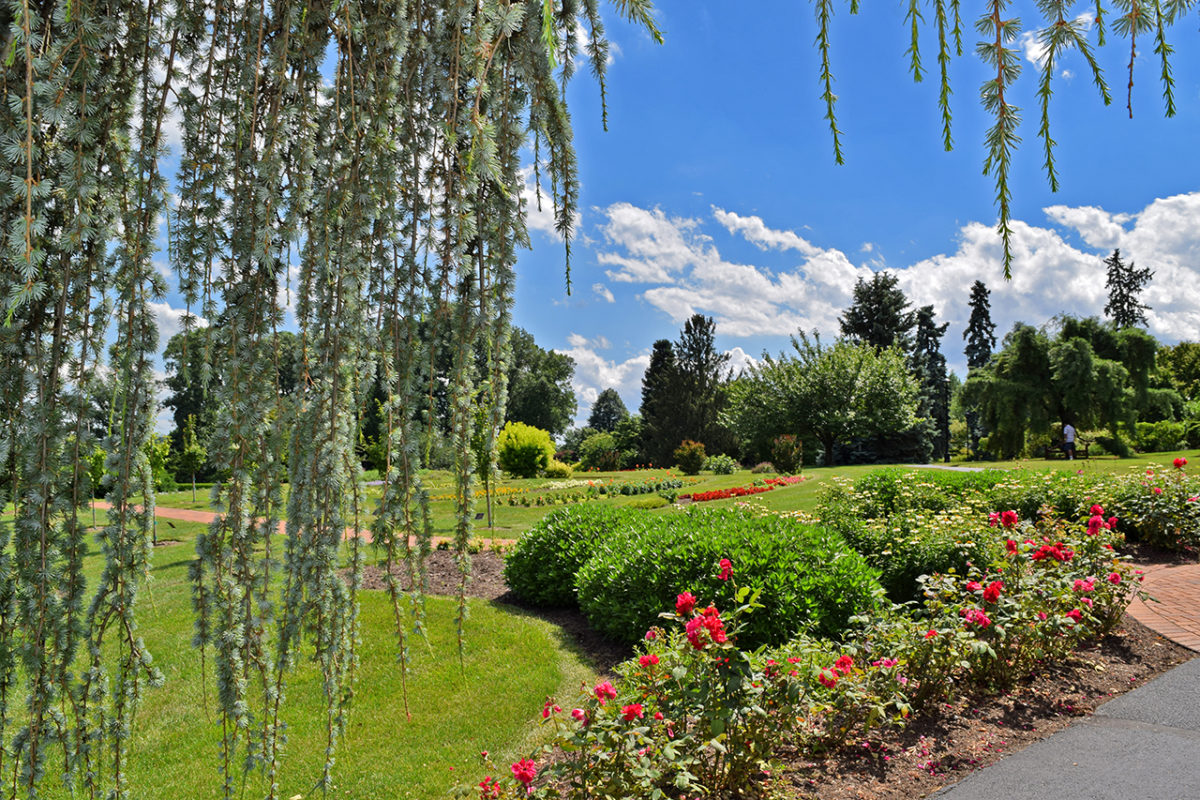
(992, 593)
(726, 569)
(684, 604)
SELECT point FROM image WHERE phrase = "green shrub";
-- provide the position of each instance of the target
(720, 464)
(690, 457)
(541, 567)
(599, 452)
(787, 453)
(1157, 437)
(809, 577)
(559, 470)
(650, 502)
(762, 468)
(905, 548)
(524, 450)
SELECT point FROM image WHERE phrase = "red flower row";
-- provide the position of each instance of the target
(740, 491)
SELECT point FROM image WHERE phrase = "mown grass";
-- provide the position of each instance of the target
(510, 518)
(513, 661)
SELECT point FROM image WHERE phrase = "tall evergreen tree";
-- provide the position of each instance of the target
(879, 315)
(981, 331)
(981, 338)
(929, 368)
(700, 370)
(1125, 283)
(658, 404)
(607, 412)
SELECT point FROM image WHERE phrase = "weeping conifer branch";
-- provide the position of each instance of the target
(407, 247)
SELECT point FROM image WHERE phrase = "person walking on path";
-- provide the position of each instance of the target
(1069, 441)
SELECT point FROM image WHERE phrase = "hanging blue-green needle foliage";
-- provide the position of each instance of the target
(1064, 25)
(353, 162)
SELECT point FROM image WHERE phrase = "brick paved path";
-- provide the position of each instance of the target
(1176, 615)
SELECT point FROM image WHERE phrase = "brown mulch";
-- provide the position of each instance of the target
(942, 747)
(487, 583)
(938, 747)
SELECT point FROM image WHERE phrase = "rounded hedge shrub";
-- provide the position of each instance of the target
(557, 469)
(720, 464)
(524, 450)
(808, 575)
(540, 569)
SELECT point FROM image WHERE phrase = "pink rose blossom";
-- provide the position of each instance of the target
(726, 569)
(605, 692)
(524, 771)
(648, 661)
(631, 712)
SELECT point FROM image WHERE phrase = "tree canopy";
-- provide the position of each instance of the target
(607, 411)
(827, 393)
(1089, 374)
(1125, 283)
(879, 315)
(539, 385)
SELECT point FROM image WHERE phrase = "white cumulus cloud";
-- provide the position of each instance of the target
(680, 272)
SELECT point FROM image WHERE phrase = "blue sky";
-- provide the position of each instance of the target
(715, 189)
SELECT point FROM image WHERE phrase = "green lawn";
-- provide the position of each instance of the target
(514, 660)
(511, 520)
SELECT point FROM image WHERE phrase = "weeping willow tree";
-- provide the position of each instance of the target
(356, 162)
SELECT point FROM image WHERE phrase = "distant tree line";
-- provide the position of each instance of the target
(880, 392)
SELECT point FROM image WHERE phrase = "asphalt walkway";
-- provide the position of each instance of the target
(1144, 744)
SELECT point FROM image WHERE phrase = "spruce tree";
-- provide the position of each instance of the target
(607, 412)
(929, 367)
(981, 338)
(700, 372)
(659, 404)
(981, 331)
(879, 314)
(1125, 283)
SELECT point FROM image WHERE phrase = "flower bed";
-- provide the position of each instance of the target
(758, 487)
(696, 714)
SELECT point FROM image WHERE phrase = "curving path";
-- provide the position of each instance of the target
(1174, 608)
(191, 515)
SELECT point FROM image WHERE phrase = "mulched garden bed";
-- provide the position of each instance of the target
(937, 748)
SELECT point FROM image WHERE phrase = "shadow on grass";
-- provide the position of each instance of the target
(573, 632)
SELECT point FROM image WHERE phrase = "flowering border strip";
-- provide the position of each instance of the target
(741, 491)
